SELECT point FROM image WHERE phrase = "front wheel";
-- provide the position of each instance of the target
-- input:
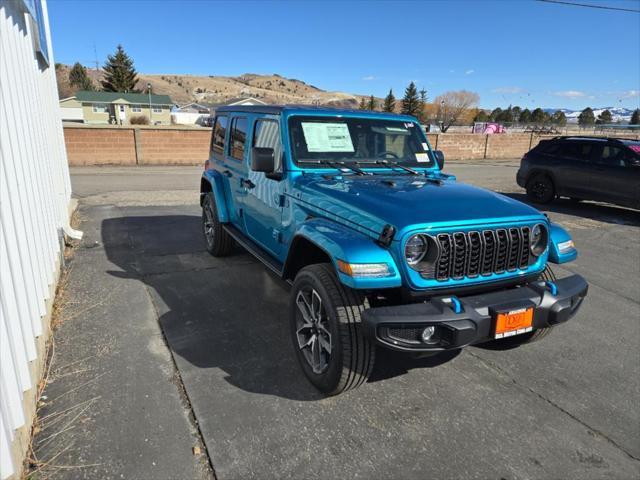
(218, 242)
(540, 189)
(326, 330)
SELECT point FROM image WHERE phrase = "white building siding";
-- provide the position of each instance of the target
(34, 200)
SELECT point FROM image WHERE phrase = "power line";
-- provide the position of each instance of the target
(602, 7)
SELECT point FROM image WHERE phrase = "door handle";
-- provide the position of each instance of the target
(227, 173)
(247, 183)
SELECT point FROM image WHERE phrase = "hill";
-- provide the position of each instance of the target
(214, 89)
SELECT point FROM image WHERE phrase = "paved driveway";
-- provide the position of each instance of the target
(565, 407)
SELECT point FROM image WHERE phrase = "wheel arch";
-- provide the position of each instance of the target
(211, 182)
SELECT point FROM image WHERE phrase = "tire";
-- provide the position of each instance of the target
(539, 333)
(340, 358)
(540, 189)
(217, 241)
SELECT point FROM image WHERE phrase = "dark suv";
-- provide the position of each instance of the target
(583, 168)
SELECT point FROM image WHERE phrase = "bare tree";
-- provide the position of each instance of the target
(455, 106)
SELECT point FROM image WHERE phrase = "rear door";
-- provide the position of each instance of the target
(265, 196)
(614, 179)
(572, 169)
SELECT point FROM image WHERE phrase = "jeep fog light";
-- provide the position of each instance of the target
(367, 270)
(427, 334)
(564, 247)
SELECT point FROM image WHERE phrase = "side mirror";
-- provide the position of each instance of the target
(439, 154)
(262, 160)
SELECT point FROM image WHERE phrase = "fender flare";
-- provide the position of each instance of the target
(558, 235)
(339, 242)
(215, 181)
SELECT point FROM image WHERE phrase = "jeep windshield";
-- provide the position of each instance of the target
(329, 141)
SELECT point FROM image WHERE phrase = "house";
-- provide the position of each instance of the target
(189, 114)
(35, 204)
(116, 108)
(239, 101)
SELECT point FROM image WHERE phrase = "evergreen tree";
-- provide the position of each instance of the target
(389, 102)
(495, 114)
(537, 116)
(586, 117)
(119, 74)
(79, 79)
(410, 102)
(635, 117)
(422, 103)
(506, 116)
(363, 104)
(559, 118)
(525, 117)
(372, 104)
(604, 118)
(481, 116)
(515, 113)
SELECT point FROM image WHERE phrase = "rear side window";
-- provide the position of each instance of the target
(576, 150)
(219, 132)
(266, 134)
(613, 155)
(238, 138)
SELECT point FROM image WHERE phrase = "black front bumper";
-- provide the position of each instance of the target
(399, 327)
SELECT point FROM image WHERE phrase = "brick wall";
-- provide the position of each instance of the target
(100, 146)
(174, 147)
(107, 145)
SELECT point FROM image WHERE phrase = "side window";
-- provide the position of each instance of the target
(238, 138)
(266, 134)
(612, 155)
(576, 150)
(219, 132)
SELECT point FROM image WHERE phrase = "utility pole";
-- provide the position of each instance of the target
(95, 54)
(150, 110)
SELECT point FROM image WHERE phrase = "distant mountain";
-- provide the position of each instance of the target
(215, 89)
(617, 113)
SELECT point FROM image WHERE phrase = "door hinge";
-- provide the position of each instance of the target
(282, 200)
(277, 235)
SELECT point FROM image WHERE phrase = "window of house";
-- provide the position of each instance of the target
(219, 132)
(238, 137)
(266, 134)
(157, 109)
(99, 108)
(136, 108)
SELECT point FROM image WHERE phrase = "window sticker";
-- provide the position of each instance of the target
(327, 137)
(422, 157)
(425, 146)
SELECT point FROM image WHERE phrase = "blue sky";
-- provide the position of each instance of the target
(510, 52)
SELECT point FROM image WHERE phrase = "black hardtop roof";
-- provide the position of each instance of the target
(278, 109)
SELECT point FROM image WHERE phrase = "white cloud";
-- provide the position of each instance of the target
(368, 78)
(631, 94)
(508, 90)
(452, 71)
(570, 94)
(469, 72)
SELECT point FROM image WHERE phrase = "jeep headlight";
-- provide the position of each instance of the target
(415, 249)
(539, 239)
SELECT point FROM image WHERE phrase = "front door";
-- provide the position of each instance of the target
(122, 114)
(264, 196)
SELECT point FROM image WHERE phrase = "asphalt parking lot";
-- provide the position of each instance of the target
(565, 407)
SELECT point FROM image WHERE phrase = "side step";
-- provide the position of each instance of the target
(254, 249)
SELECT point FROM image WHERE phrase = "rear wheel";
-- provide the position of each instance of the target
(218, 242)
(540, 189)
(326, 331)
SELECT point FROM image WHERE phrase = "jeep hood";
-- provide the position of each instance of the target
(406, 202)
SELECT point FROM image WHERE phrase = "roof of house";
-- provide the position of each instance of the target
(109, 97)
(192, 107)
(238, 101)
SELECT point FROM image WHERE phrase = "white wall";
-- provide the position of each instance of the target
(187, 118)
(34, 197)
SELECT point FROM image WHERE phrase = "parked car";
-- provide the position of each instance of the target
(583, 168)
(381, 248)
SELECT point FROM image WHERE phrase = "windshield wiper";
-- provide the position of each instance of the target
(398, 165)
(333, 164)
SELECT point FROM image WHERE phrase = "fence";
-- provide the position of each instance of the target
(34, 199)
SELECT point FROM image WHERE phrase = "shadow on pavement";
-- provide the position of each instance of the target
(601, 212)
(228, 314)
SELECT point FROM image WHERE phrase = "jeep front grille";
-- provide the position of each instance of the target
(470, 254)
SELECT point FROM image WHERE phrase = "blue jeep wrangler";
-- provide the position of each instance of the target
(381, 247)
